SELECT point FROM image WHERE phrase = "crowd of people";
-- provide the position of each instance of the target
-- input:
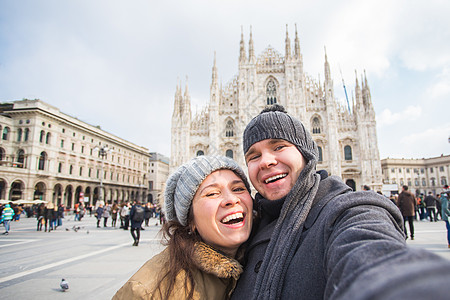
(50, 216)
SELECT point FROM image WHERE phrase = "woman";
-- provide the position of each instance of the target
(114, 211)
(209, 212)
(99, 214)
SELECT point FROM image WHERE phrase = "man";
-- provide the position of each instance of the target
(7, 215)
(316, 239)
(406, 204)
(137, 214)
(430, 204)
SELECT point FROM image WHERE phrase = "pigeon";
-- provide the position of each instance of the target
(64, 285)
(67, 229)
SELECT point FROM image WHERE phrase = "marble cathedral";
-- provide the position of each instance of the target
(347, 138)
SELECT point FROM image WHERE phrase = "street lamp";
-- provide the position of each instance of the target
(102, 152)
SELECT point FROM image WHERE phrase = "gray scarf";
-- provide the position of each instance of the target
(286, 234)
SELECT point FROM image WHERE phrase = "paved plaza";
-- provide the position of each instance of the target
(96, 262)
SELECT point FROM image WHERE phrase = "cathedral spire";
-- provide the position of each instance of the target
(242, 55)
(214, 71)
(327, 67)
(297, 44)
(251, 50)
(288, 44)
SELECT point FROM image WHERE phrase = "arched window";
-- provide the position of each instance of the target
(5, 134)
(229, 153)
(2, 153)
(348, 153)
(316, 125)
(41, 137)
(200, 153)
(19, 134)
(47, 138)
(320, 154)
(443, 181)
(20, 158)
(27, 134)
(229, 128)
(271, 92)
(42, 159)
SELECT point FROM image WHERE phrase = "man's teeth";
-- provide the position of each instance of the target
(232, 217)
(273, 178)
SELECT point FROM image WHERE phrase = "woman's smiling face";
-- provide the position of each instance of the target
(222, 209)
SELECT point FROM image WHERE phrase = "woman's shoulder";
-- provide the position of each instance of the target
(143, 283)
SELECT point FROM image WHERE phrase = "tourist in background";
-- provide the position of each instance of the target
(406, 204)
(7, 215)
(148, 213)
(446, 211)
(430, 205)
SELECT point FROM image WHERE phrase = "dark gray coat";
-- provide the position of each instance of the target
(352, 247)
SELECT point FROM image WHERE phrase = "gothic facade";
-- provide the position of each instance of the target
(346, 136)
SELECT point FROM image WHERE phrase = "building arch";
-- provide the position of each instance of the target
(68, 196)
(40, 190)
(2, 188)
(57, 194)
(16, 191)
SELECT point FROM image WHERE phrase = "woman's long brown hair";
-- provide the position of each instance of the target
(180, 241)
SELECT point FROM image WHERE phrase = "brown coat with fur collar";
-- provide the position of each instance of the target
(215, 277)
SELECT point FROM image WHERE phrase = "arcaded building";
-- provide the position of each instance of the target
(48, 155)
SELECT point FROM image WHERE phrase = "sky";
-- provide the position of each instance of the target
(116, 64)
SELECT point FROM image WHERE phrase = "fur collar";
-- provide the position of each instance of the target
(212, 261)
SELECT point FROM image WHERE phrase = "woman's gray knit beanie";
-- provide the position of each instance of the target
(184, 182)
(275, 123)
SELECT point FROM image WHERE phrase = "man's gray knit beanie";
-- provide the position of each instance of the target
(184, 182)
(275, 123)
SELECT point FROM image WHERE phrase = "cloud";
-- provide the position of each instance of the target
(420, 142)
(440, 88)
(387, 117)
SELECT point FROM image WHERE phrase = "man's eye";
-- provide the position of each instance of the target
(239, 189)
(211, 194)
(279, 147)
(253, 157)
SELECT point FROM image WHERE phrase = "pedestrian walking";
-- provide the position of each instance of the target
(406, 204)
(99, 214)
(148, 213)
(6, 217)
(125, 214)
(49, 208)
(106, 214)
(137, 215)
(430, 205)
(40, 216)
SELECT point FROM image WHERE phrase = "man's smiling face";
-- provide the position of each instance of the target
(273, 167)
